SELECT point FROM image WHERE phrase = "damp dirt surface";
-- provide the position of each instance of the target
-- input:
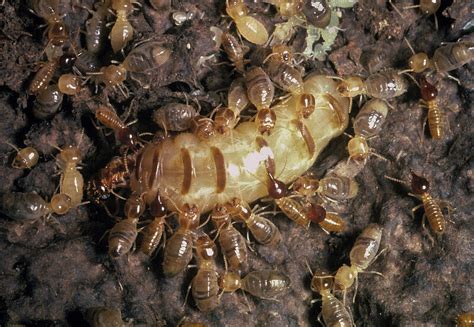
(53, 269)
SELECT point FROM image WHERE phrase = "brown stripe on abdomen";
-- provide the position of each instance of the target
(219, 162)
(307, 137)
(187, 171)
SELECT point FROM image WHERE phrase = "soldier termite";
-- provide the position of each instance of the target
(436, 116)
(205, 285)
(333, 311)
(249, 27)
(420, 188)
(179, 248)
(123, 133)
(232, 243)
(25, 158)
(363, 253)
(264, 284)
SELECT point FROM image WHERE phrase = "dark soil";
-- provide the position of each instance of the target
(51, 272)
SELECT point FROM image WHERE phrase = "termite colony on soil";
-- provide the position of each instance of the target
(222, 162)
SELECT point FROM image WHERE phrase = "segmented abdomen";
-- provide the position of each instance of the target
(178, 252)
(334, 312)
(152, 236)
(121, 237)
(234, 247)
(294, 210)
(205, 289)
(265, 283)
(433, 214)
(436, 120)
(386, 84)
(263, 230)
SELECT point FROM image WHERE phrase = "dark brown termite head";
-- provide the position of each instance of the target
(276, 188)
(419, 185)
(127, 137)
(157, 207)
(316, 213)
(428, 91)
(67, 61)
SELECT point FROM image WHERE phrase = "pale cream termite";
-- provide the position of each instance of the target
(232, 243)
(332, 188)
(265, 284)
(189, 170)
(122, 31)
(72, 182)
(363, 253)
(249, 27)
(25, 158)
(205, 285)
(333, 310)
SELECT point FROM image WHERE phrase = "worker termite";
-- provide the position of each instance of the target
(226, 118)
(333, 311)
(42, 77)
(428, 7)
(50, 11)
(205, 285)
(146, 56)
(367, 124)
(123, 133)
(24, 206)
(363, 253)
(47, 102)
(249, 27)
(264, 284)
(231, 241)
(234, 50)
(123, 235)
(385, 84)
(176, 117)
(103, 316)
(420, 188)
(153, 231)
(453, 56)
(289, 79)
(69, 84)
(465, 319)
(261, 228)
(179, 248)
(260, 92)
(331, 188)
(436, 117)
(96, 28)
(25, 158)
(72, 182)
(122, 31)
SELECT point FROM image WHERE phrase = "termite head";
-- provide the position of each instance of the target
(230, 281)
(220, 216)
(265, 120)
(419, 62)
(276, 188)
(316, 213)
(428, 91)
(321, 282)
(127, 137)
(351, 87)
(58, 34)
(70, 155)
(358, 148)
(205, 247)
(282, 53)
(189, 216)
(419, 185)
(345, 277)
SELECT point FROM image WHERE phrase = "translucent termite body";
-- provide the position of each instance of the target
(179, 248)
(177, 117)
(261, 228)
(146, 56)
(50, 11)
(123, 235)
(47, 102)
(453, 56)
(363, 253)
(72, 182)
(232, 243)
(237, 100)
(25, 158)
(96, 29)
(249, 27)
(24, 206)
(368, 123)
(260, 92)
(385, 84)
(122, 31)
(436, 116)
(333, 311)
(205, 285)
(234, 50)
(153, 231)
(332, 188)
(42, 77)
(264, 284)
(104, 317)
